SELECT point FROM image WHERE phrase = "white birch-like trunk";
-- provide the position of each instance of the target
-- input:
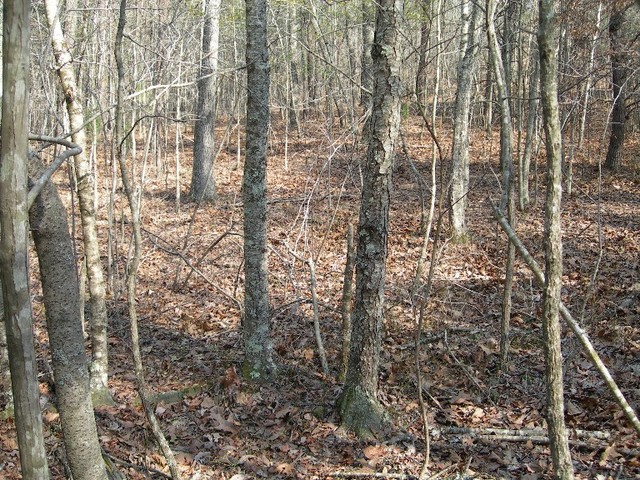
(85, 185)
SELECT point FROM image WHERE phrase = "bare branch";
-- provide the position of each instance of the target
(39, 184)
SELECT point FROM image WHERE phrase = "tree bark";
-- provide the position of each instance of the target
(548, 46)
(460, 152)
(500, 70)
(619, 74)
(14, 274)
(259, 364)
(203, 185)
(85, 184)
(5, 372)
(366, 62)
(525, 163)
(48, 219)
(359, 407)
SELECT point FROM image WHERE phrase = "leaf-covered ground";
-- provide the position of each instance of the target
(222, 427)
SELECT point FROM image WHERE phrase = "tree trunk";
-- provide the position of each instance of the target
(548, 45)
(366, 63)
(62, 307)
(460, 153)
(14, 238)
(506, 167)
(203, 185)
(5, 372)
(421, 73)
(259, 364)
(619, 74)
(525, 162)
(85, 185)
(359, 407)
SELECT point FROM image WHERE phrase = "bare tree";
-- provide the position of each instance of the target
(259, 364)
(359, 407)
(619, 79)
(203, 185)
(460, 154)
(85, 185)
(500, 70)
(548, 47)
(61, 294)
(14, 274)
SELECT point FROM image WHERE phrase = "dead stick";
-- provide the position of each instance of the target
(402, 476)
(525, 432)
(573, 324)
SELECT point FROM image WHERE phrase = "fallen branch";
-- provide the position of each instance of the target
(400, 476)
(523, 434)
(573, 324)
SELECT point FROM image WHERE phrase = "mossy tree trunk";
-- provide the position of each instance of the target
(359, 407)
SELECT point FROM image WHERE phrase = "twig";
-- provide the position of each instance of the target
(176, 253)
(573, 324)
(464, 368)
(140, 468)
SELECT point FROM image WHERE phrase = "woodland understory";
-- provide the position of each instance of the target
(223, 427)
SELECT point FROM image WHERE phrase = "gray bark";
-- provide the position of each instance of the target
(525, 163)
(619, 74)
(14, 274)
(500, 70)
(359, 407)
(548, 46)
(85, 184)
(5, 372)
(259, 364)
(203, 185)
(460, 152)
(366, 62)
(48, 219)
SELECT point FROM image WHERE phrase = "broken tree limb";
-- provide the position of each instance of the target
(573, 324)
(524, 433)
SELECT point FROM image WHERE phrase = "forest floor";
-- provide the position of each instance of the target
(222, 427)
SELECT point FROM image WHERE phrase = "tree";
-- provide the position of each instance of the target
(61, 294)
(14, 274)
(619, 79)
(460, 154)
(259, 364)
(500, 71)
(359, 407)
(548, 48)
(366, 62)
(85, 184)
(203, 185)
